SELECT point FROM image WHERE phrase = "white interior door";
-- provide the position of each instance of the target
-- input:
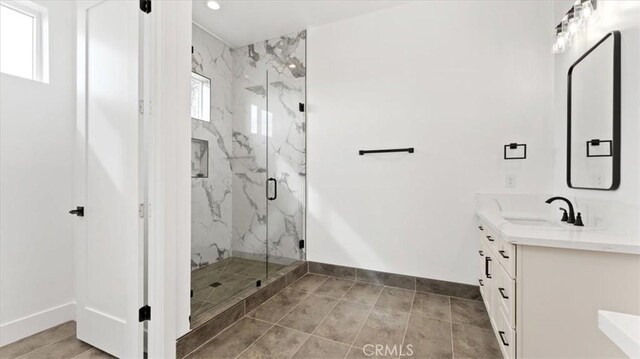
(110, 235)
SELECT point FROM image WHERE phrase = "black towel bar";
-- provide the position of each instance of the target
(410, 150)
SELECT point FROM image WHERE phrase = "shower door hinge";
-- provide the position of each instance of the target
(145, 6)
(141, 210)
(144, 313)
(141, 107)
(301, 244)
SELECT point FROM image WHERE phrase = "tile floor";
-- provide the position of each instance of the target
(323, 317)
(328, 317)
(57, 342)
(233, 274)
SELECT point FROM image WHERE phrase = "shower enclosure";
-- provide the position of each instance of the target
(248, 207)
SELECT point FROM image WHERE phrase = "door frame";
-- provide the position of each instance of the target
(169, 179)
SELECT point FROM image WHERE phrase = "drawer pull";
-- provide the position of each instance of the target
(481, 282)
(486, 267)
(481, 228)
(501, 290)
(503, 255)
(504, 342)
(490, 239)
(481, 253)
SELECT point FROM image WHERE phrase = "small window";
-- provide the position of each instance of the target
(266, 121)
(23, 35)
(200, 98)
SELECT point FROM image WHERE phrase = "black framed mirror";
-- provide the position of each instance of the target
(593, 117)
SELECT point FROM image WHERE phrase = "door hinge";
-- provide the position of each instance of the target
(141, 107)
(145, 6)
(301, 244)
(144, 313)
(141, 210)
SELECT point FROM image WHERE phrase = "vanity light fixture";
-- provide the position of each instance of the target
(581, 13)
(213, 5)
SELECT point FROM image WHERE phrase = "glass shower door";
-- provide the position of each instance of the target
(286, 150)
(229, 206)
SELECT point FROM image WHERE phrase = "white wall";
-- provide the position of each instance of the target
(455, 79)
(614, 15)
(36, 143)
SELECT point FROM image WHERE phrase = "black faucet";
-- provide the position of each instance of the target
(572, 214)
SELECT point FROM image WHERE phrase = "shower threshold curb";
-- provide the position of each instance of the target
(233, 309)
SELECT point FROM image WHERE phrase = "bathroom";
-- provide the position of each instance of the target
(320, 179)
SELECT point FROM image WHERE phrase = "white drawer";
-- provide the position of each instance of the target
(486, 281)
(481, 260)
(486, 233)
(505, 291)
(506, 253)
(505, 335)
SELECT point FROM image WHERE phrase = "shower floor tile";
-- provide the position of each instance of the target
(218, 282)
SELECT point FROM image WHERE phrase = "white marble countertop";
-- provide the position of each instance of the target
(562, 236)
(623, 330)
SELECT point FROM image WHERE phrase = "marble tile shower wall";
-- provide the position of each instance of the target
(211, 198)
(228, 209)
(273, 100)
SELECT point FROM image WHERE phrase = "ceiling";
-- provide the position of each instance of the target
(244, 22)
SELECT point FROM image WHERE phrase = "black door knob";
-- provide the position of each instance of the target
(79, 211)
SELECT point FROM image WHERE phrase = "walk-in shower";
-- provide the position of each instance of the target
(248, 165)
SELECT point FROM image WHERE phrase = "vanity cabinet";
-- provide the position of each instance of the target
(543, 295)
(497, 282)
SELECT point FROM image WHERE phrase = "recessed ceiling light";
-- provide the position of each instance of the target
(292, 66)
(213, 5)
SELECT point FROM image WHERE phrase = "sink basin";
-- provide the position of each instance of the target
(531, 222)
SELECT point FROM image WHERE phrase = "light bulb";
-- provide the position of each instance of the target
(213, 5)
(565, 33)
(565, 24)
(587, 10)
(560, 42)
(573, 26)
(572, 22)
(577, 14)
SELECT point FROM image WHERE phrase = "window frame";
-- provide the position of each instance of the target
(39, 14)
(202, 79)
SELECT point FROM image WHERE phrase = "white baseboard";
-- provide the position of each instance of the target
(37, 322)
